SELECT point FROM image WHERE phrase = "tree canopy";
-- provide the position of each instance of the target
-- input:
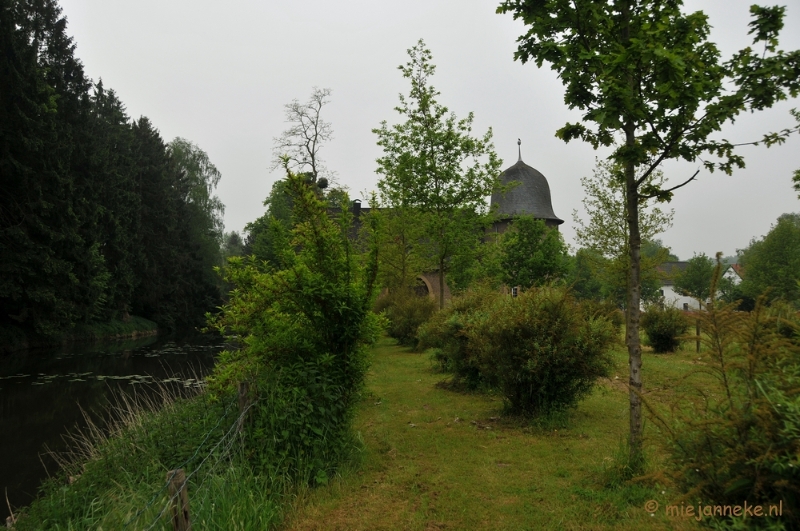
(433, 164)
(772, 264)
(98, 218)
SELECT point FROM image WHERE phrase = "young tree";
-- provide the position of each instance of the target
(532, 254)
(650, 83)
(432, 163)
(606, 233)
(695, 282)
(308, 132)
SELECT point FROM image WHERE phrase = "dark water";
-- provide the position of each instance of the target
(42, 393)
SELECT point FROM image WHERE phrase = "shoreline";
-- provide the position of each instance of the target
(15, 339)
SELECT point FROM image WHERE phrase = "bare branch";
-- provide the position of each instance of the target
(669, 190)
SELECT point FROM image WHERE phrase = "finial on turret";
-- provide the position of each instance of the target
(519, 147)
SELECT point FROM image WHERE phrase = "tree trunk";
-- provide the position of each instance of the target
(632, 314)
(441, 284)
(697, 326)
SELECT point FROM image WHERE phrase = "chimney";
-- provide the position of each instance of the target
(356, 207)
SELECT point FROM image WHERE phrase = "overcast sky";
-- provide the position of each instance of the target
(219, 74)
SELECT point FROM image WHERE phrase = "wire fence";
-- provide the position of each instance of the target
(225, 442)
(230, 436)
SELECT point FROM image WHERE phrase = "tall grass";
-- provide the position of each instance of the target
(114, 476)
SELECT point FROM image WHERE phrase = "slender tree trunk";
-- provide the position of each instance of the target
(441, 284)
(632, 317)
(697, 326)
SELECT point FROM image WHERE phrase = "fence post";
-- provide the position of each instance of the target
(244, 402)
(180, 502)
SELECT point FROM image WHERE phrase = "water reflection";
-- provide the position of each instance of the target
(42, 393)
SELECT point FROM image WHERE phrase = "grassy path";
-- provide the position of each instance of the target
(435, 459)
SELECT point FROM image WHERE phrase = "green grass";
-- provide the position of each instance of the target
(438, 459)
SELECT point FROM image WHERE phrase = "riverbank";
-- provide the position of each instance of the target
(13, 338)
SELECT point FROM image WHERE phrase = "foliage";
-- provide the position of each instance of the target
(772, 264)
(444, 333)
(736, 437)
(304, 330)
(606, 230)
(232, 245)
(433, 164)
(664, 327)
(268, 236)
(650, 83)
(406, 311)
(694, 281)
(98, 218)
(540, 349)
(532, 254)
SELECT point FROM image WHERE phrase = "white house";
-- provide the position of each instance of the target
(671, 297)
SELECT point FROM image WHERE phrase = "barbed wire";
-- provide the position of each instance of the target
(232, 430)
(175, 470)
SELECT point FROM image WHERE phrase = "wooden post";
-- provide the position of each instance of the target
(244, 402)
(179, 494)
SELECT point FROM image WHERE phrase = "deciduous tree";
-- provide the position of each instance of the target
(433, 164)
(650, 84)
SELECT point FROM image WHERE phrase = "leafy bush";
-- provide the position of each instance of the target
(663, 327)
(406, 311)
(451, 351)
(539, 349)
(304, 332)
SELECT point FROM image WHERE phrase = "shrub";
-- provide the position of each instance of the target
(737, 437)
(546, 354)
(663, 327)
(451, 351)
(406, 311)
(539, 349)
(305, 331)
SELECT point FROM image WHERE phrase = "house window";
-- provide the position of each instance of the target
(686, 306)
(514, 291)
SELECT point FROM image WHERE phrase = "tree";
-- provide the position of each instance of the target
(772, 264)
(657, 250)
(532, 253)
(606, 230)
(267, 236)
(695, 281)
(232, 245)
(298, 147)
(651, 84)
(606, 233)
(432, 163)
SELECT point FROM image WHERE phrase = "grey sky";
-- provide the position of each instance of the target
(219, 73)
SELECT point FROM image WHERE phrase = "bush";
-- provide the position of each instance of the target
(406, 311)
(538, 349)
(444, 334)
(737, 436)
(305, 332)
(663, 327)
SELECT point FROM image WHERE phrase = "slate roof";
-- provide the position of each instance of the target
(530, 197)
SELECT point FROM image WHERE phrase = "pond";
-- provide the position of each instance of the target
(43, 394)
